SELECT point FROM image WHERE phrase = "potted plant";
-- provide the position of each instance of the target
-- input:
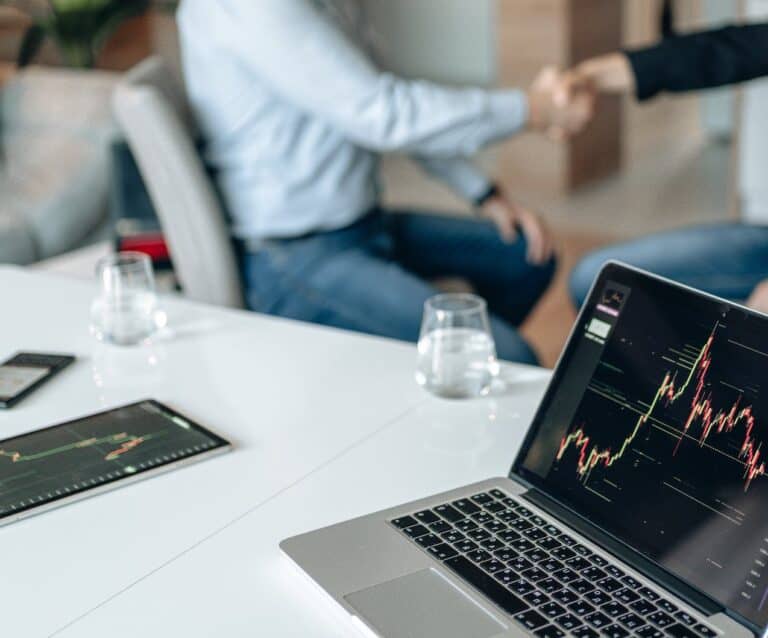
(80, 28)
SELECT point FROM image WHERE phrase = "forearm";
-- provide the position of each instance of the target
(701, 60)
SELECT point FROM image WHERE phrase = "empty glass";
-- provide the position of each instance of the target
(125, 312)
(457, 355)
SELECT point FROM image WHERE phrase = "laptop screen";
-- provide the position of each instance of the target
(656, 428)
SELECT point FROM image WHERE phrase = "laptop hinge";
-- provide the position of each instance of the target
(691, 595)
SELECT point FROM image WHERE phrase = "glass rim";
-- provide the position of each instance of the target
(478, 304)
(123, 258)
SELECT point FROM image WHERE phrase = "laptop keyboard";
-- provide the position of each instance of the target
(549, 582)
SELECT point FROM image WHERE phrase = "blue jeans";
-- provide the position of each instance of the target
(373, 276)
(727, 260)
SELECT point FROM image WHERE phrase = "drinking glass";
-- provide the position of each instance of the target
(457, 355)
(125, 312)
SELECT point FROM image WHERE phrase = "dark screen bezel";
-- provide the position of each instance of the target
(630, 277)
(219, 443)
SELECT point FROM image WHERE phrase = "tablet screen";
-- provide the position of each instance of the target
(65, 460)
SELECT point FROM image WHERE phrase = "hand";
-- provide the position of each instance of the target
(560, 104)
(758, 300)
(610, 73)
(510, 216)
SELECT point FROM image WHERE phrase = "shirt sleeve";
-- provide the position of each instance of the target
(309, 62)
(460, 174)
(701, 60)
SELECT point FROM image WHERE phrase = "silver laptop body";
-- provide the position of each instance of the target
(550, 568)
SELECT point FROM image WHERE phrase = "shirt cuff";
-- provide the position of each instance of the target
(510, 109)
(647, 65)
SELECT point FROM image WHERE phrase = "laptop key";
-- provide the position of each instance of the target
(486, 584)
(565, 596)
(506, 576)
(705, 631)
(549, 585)
(536, 598)
(492, 566)
(678, 630)
(614, 631)
(428, 540)
(566, 575)
(478, 535)
(521, 587)
(598, 560)
(440, 527)
(582, 550)
(593, 573)
(481, 517)
(521, 525)
(549, 544)
(523, 511)
(535, 534)
(649, 632)
(631, 621)
(467, 525)
(508, 516)
(584, 632)
(566, 540)
(404, 521)
(426, 517)
(505, 554)
(537, 520)
(442, 551)
(685, 618)
(627, 596)
(551, 565)
(581, 586)
(519, 564)
(581, 608)
(452, 536)
(492, 545)
(597, 597)
(536, 555)
(609, 585)
(494, 507)
(631, 582)
(550, 631)
(643, 607)
(414, 531)
(614, 609)
(563, 553)
(531, 620)
(482, 498)
(598, 619)
(667, 606)
(661, 619)
(465, 546)
(552, 610)
(497, 493)
(509, 535)
(534, 574)
(615, 571)
(551, 529)
(495, 526)
(649, 594)
(478, 556)
(578, 563)
(449, 513)
(466, 506)
(521, 545)
(569, 621)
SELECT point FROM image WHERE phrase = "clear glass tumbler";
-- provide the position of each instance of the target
(457, 354)
(125, 312)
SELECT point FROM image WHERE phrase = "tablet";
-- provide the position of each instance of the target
(67, 462)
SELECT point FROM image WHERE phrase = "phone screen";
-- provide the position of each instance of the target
(16, 379)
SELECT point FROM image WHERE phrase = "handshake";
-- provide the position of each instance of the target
(562, 103)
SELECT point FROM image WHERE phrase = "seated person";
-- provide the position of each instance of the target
(726, 259)
(295, 115)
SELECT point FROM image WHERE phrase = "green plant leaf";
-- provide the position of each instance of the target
(30, 45)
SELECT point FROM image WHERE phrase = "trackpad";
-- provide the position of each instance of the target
(423, 605)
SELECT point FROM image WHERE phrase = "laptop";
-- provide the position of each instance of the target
(637, 505)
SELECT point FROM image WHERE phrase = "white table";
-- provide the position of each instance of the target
(326, 425)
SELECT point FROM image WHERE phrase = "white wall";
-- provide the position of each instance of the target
(753, 151)
(443, 40)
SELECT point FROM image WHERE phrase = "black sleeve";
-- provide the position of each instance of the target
(701, 60)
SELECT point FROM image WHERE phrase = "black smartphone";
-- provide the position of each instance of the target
(27, 371)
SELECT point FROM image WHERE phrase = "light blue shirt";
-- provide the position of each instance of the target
(295, 114)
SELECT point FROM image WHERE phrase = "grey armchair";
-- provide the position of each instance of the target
(151, 108)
